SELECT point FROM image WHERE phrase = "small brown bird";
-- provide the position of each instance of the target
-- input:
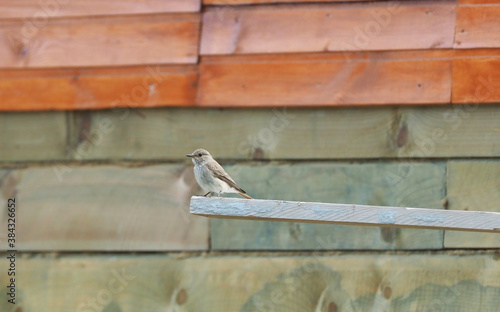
(211, 176)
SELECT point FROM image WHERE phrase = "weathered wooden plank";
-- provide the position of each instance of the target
(62, 8)
(476, 80)
(389, 132)
(473, 185)
(345, 282)
(105, 208)
(390, 184)
(477, 27)
(235, 134)
(328, 27)
(345, 214)
(326, 79)
(104, 41)
(33, 136)
(97, 88)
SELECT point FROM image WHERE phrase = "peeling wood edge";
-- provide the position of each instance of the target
(345, 214)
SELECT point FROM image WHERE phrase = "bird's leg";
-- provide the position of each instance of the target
(207, 194)
(218, 194)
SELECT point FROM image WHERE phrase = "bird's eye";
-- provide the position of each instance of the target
(200, 155)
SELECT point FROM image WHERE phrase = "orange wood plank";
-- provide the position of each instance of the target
(477, 27)
(103, 41)
(472, 2)
(41, 9)
(28, 90)
(477, 53)
(328, 27)
(476, 80)
(326, 79)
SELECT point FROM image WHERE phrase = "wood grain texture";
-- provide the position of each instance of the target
(62, 8)
(477, 27)
(328, 27)
(363, 282)
(71, 89)
(388, 184)
(33, 136)
(476, 80)
(406, 133)
(326, 80)
(108, 208)
(104, 41)
(345, 214)
(473, 185)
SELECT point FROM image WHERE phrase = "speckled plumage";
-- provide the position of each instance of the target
(211, 176)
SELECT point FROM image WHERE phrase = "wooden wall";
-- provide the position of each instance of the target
(337, 282)
(366, 102)
(79, 54)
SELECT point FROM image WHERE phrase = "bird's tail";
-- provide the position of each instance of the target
(245, 195)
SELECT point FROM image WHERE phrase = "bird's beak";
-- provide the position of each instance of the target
(190, 155)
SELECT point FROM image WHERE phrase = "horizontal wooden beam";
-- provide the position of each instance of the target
(33, 136)
(405, 133)
(476, 80)
(477, 27)
(90, 88)
(33, 9)
(374, 183)
(98, 208)
(348, 79)
(102, 41)
(327, 79)
(277, 210)
(472, 185)
(373, 26)
(470, 76)
(242, 282)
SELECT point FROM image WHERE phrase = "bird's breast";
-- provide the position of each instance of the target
(205, 178)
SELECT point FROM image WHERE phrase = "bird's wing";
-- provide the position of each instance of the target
(220, 173)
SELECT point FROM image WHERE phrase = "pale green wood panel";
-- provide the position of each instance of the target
(319, 133)
(473, 185)
(461, 130)
(107, 208)
(347, 283)
(386, 184)
(171, 133)
(33, 136)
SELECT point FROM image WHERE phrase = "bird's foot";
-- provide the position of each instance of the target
(207, 194)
